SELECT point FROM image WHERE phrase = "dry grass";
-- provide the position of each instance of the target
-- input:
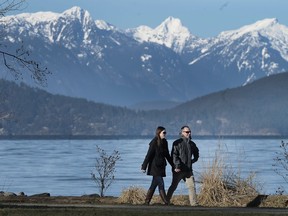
(182, 200)
(133, 195)
(275, 201)
(222, 186)
(136, 196)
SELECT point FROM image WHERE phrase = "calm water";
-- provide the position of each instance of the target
(63, 167)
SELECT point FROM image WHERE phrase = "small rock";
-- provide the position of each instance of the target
(91, 195)
(21, 194)
(8, 194)
(41, 195)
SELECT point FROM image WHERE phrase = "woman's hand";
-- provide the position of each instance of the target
(143, 170)
(177, 170)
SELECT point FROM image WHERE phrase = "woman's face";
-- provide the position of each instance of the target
(162, 134)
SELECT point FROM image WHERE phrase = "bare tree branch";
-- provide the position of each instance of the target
(10, 5)
(21, 57)
(38, 72)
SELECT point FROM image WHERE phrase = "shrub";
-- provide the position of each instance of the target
(103, 174)
(281, 162)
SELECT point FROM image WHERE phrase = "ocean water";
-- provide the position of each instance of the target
(63, 167)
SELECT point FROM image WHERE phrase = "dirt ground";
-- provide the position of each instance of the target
(46, 199)
(95, 205)
(272, 201)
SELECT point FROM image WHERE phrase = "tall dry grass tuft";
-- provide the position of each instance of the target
(276, 201)
(136, 195)
(133, 195)
(181, 200)
(222, 186)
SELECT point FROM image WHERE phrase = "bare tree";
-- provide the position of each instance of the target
(21, 57)
(281, 161)
(103, 175)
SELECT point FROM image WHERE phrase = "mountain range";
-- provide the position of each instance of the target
(94, 60)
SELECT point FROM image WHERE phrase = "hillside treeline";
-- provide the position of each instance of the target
(259, 108)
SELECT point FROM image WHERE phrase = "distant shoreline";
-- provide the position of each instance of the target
(121, 137)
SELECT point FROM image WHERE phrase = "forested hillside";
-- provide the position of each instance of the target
(259, 108)
(35, 112)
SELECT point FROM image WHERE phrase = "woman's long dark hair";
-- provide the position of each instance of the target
(159, 129)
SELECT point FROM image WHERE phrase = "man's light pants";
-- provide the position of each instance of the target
(190, 183)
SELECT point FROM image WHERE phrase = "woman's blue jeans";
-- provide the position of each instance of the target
(157, 181)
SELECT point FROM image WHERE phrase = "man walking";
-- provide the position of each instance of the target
(184, 153)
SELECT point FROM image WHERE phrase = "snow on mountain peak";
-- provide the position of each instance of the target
(34, 18)
(101, 24)
(262, 26)
(54, 26)
(265, 23)
(172, 26)
(75, 11)
(276, 33)
(170, 33)
(79, 13)
(48, 16)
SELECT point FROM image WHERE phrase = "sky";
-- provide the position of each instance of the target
(203, 18)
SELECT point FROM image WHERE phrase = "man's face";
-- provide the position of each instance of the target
(186, 132)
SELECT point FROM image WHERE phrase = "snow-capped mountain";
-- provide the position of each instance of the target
(170, 33)
(232, 58)
(255, 50)
(92, 59)
(95, 60)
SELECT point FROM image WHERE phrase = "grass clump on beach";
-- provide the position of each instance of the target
(222, 186)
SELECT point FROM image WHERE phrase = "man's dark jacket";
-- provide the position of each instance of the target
(184, 153)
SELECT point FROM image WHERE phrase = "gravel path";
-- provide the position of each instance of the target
(172, 208)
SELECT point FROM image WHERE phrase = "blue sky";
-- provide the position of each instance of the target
(204, 18)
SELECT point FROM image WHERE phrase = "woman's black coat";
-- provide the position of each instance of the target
(155, 158)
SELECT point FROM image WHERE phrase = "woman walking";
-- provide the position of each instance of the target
(155, 159)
